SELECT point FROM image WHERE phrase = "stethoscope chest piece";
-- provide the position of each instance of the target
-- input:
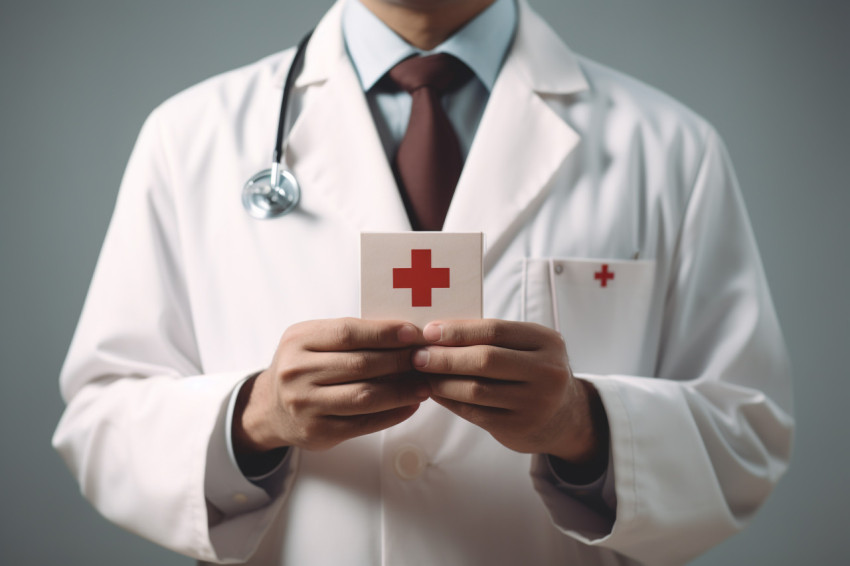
(262, 199)
(275, 192)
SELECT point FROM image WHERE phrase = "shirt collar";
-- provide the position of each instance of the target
(481, 44)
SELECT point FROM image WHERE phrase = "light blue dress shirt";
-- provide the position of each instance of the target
(374, 49)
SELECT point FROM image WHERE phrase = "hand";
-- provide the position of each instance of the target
(331, 380)
(513, 380)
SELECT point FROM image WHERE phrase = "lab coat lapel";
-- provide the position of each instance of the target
(333, 148)
(520, 142)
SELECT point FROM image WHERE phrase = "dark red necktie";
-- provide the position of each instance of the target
(429, 160)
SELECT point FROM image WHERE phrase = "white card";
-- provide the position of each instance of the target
(420, 276)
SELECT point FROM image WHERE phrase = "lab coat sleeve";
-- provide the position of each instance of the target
(698, 447)
(143, 422)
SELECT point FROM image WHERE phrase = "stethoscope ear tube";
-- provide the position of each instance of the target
(275, 192)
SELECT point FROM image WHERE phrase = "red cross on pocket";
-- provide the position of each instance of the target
(604, 275)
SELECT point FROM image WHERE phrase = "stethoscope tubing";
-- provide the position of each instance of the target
(291, 75)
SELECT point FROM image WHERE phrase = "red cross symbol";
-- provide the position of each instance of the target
(603, 275)
(420, 277)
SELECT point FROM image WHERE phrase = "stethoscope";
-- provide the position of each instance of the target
(275, 192)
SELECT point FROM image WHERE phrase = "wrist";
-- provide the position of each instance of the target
(583, 443)
(250, 431)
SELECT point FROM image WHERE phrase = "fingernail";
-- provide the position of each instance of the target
(407, 333)
(420, 358)
(433, 333)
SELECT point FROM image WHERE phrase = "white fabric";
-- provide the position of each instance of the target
(572, 165)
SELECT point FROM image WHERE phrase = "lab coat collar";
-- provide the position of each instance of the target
(325, 51)
(334, 148)
(539, 55)
(521, 141)
(542, 59)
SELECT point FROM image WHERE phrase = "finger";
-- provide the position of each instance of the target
(370, 397)
(359, 425)
(347, 334)
(482, 361)
(480, 392)
(484, 417)
(492, 332)
(328, 368)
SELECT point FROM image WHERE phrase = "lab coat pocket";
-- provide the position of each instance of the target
(601, 307)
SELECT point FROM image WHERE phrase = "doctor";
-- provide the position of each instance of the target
(627, 400)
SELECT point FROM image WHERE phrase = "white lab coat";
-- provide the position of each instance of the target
(573, 166)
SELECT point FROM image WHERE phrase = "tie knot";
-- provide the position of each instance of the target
(441, 72)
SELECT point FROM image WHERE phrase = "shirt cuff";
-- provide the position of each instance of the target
(225, 486)
(592, 490)
(599, 493)
(588, 509)
(277, 458)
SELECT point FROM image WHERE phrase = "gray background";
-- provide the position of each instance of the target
(78, 78)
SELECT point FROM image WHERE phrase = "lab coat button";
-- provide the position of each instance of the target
(559, 268)
(409, 462)
(240, 498)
